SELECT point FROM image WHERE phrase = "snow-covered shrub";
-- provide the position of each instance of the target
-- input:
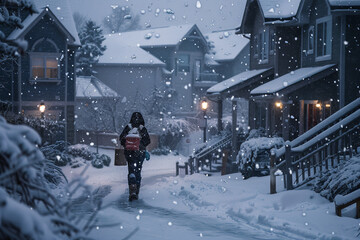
(28, 207)
(173, 131)
(62, 154)
(256, 133)
(81, 150)
(343, 179)
(161, 151)
(254, 154)
(97, 163)
(105, 159)
(50, 130)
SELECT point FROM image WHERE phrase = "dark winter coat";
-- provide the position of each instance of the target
(136, 121)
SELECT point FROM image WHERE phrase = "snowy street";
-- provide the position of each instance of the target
(217, 207)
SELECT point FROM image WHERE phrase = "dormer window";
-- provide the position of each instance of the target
(45, 61)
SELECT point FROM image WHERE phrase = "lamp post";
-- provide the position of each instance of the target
(204, 107)
(42, 112)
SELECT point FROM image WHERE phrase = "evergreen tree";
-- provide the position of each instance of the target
(9, 20)
(120, 20)
(91, 39)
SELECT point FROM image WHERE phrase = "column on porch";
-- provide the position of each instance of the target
(285, 120)
(220, 114)
(234, 129)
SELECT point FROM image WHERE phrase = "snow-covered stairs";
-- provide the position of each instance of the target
(323, 147)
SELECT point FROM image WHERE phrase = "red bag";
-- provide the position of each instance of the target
(132, 142)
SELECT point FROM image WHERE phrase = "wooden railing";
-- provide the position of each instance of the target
(196, 161)
(302, 163)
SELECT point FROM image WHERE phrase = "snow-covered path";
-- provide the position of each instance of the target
(209, 207)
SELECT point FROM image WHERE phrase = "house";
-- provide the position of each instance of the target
(325, 77)
(45, 73)
(302, 63)
(171, 56)
(128, 69)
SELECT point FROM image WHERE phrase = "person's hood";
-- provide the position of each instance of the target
(137, 119)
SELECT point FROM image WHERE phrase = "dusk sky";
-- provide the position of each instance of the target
(209, 15)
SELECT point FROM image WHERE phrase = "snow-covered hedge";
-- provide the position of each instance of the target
(250, 148)
(342, 180)
(75, 155)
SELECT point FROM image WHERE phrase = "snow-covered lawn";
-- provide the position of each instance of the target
(216, 207)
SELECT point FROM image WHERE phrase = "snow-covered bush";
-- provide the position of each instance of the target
(28, 207)
(50, 130)
(161, 151)
(173, 131)
(343, 179)
(256, 133)
(254, 154)
(62, 154)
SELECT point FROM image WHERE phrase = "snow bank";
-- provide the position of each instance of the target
(215, 208)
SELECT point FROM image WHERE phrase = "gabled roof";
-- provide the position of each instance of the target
(91, 87)
(290, 79)
(158, 37)
(226, 45)
(60, 11)
(274, 11)
(279, 9)
(118, 52)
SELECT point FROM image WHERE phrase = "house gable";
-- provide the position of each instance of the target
(31, 21)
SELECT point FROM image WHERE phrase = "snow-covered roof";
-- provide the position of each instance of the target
(90, 86)
(210, 61)
(164, 36)
(344, 3)
(228, 83)
(289, 79)
(226, 44)
(61, 10)
(279, 8)
(118, 52)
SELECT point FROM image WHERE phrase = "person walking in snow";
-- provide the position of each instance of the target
(134, 138)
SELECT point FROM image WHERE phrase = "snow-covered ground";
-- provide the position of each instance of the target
(216, 207)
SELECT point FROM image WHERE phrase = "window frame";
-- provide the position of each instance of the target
(311, 51)
(180, 65)
(45, 55)
(328, 21)
(264, 46)
(197, 78)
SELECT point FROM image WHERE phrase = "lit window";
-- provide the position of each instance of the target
(323, 39)
(44, 67)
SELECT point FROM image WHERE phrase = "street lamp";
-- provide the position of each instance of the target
(42, 109)
(204, 107)
(42, 125)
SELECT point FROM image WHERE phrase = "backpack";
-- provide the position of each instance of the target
(132, 140)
